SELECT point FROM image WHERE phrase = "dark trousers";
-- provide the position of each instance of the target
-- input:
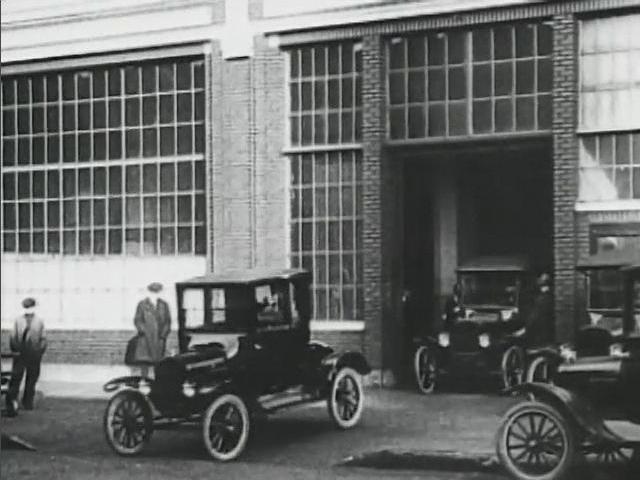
(22, 363)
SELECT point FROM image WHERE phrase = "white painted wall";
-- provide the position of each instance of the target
(98, 293)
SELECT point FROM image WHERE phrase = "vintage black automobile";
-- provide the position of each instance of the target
(495, 290)
(603, 275)
(244, 351)
(544, 437)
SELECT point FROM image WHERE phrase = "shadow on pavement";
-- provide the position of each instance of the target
(451, 461)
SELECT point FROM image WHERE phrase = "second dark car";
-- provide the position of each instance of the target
(483, 341)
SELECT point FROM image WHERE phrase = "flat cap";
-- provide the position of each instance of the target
(154, 287)
(28, 302)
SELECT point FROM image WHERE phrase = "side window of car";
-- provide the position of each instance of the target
(193, 307)
(218, 305)
(270, 305)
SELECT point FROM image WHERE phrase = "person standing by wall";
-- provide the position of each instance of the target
(153, 323)
(29, 344)
(539, 331)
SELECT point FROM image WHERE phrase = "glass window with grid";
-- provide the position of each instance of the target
(326, 230)
(492, 80)
(610, 166)
(105, 160)
(325, 101)
(610, 73)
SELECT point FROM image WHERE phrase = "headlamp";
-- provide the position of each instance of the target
(484, 340)
(443, 339)
(144, 387)
(567, 353)
(188, 389)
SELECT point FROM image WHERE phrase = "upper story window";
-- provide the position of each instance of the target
(609, 109)
(105, 160)
(456, 83)
(325, 101)
(610, 73)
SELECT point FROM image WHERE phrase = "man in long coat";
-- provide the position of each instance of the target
(153, 323)
(28, 343)
(539, 323)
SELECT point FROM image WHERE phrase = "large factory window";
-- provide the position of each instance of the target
(106, 160)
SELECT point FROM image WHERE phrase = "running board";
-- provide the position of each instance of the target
(289, 398)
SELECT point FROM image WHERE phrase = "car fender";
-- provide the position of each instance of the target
(578, 412)
(337, 360)
(130, 381)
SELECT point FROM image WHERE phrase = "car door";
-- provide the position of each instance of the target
(275, 337)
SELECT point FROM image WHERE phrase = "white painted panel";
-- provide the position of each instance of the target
(98, 294)
(288, 7)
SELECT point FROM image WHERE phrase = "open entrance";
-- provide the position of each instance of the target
(464, 204)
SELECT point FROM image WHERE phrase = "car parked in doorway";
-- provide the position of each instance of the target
(245, 349)
(482, 342)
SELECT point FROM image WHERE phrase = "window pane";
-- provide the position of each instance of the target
(150, 241)
(151, 210)
(482, 80)
(503, 42)
(115, 241)
(133, 179)
(115, 211)
(99, 181)
(504, 115)
(133, 211)
(167, 177)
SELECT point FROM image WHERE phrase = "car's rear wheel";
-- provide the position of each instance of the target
(225, 427)
(611, 455)
(128, 423)
(513, 367)
(425, 368)
(346, 398)
(540, 370)
(535, 442)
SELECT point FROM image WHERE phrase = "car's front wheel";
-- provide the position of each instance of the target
(425, 368)
(346, 398)
(541, 370)
(128, 423)
(535, 442)
(225, 427)
(513, 367)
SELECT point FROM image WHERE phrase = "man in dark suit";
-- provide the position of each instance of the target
(539, 323)
(153, 323)
(29, 344)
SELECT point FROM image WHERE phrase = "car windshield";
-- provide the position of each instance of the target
(229, 308)
(489, 288)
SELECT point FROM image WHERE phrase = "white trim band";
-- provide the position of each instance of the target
(336, 326)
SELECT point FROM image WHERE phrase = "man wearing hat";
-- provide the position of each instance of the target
(153, 323)
(29, 343)
(539, 323)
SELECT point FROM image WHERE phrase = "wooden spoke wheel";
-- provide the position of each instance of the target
(611, 455)
(513, 367)
(540, 370)
(225, 427)
(346, 398)
(425, 368)
(535, 442)
(128, 423)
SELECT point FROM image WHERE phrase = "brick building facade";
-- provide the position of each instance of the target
(377, 143)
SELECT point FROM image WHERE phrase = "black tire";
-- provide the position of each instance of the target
(225, 427)
(547, 449)
(540, 370)
(128, 423)
(611, 456)
(425, 368)
(513, 367)
(346, 398)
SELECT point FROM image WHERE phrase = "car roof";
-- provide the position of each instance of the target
(495, 263)
(611, 259)
(247, 276)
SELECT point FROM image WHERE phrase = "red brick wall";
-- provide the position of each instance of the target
(565, 170)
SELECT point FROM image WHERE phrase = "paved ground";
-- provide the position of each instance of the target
(299, 443)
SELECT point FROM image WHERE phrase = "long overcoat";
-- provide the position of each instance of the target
(153, 323)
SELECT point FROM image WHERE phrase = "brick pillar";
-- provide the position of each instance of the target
(565, 170)
(233, 170)
(376, 286)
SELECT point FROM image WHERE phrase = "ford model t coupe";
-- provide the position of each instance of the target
(482, 340)
(543, 438)
(244, 350)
